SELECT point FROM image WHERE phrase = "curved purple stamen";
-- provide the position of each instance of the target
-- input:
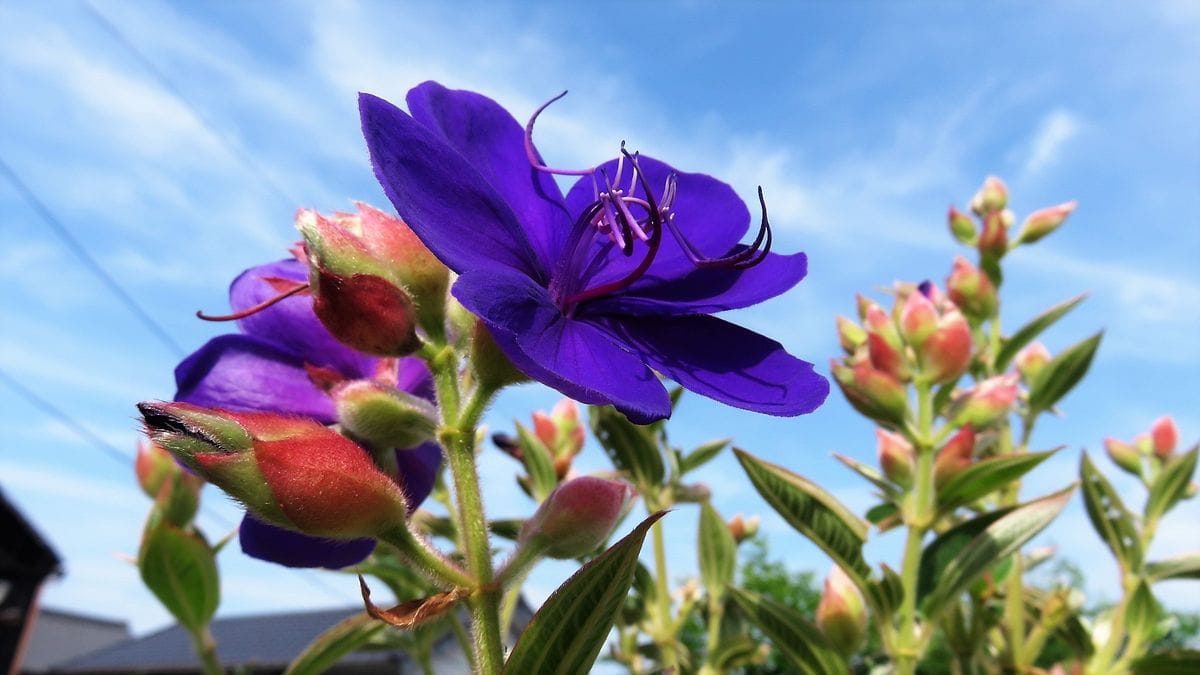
(530, 152)
(743, 259)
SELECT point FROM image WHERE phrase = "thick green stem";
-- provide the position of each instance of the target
(206, 649)
(437, 568)
(920, 516)
(666, 640)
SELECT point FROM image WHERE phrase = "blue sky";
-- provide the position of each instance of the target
(862, 122)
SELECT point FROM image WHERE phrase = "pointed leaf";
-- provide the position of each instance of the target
(873, 475)
(887, 593)
(1061, 374)
(1111, 520)
(1142, 613)
(948, 546)
(1186, 566)
(631, 448)
(329, 647)
(567, 633)
(1031, 330)
(538, 462)
(718, 551)
(1171, 484)
(179, 567)
(798, 640)
(701, 455)
(998, 540)
(813, 512)
(984, 477)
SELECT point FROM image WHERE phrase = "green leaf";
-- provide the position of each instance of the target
(1111, 520)
(986, 476)
(1186, 566)
(873, 475)
(1141, 613)
(1179, 662)
(631, 448)
(538, 462)
(567, 633)
(1063, 372)
(880, 512)
(718, 551)
(799, 641)
(734, 652)
(886, 593)
(329, 647)
(948, 546)
(1031, 330)
(179, 567)
(813, 512)
(999, 539)
(701, 455)
(1171, 484)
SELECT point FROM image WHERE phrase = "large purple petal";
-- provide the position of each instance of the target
(708, 212)
(571, 350)
(418, 469)
(243, 372)
(292, 549)
(291, 323)
(707, 291)
(494, 143)
(442, 197)
(725, 362)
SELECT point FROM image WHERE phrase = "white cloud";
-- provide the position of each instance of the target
(1056, 130)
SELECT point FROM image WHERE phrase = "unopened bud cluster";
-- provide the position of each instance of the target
(1146, 455)
(991, 234)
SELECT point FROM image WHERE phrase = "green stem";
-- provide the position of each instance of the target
(437, 568)
(206, 649)
(920, 515)
(666, 640)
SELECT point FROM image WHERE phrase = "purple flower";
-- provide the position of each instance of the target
(274, 366)
(590, 292)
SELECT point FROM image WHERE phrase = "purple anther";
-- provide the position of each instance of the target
(531, 153)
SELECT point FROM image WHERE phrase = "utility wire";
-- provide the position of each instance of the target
(231, 146)
(86, 258)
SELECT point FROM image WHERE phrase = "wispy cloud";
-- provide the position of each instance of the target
(1057, 129)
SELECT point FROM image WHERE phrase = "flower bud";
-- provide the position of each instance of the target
(424, 276)
(863, 304)
(971, 290)
(993, 240)
(946, 355)
(842, 613)
(1041, 223)
(955, 456)
(357, 294)
(872, 392)
(694, 493)
(560, 431)
(154, 467)
(1031, 360)
(176, 492)
(1144, 444)
(961, 226)
(743, 528)
(896, 457)
(987, 401)
(991, 197)
(1124, 455)
(289, 471)
(918, 319)
(490, 365)
(884, 345)
(384, 416)
(1164, 436)
(577, 517)
(850, 335)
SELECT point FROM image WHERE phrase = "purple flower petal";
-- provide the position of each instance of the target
(494, 144)
(291, 323)
(707, 291)
(570, 350)
(418, 469)
(415, 378)
(442, 197)
(708, 212)
(292, 549)
(725, 362)
(243, 372)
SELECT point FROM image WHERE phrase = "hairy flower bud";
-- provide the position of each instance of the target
(946, 355)
(1031, 360)
(872, 392)
(577, 517)
(971, 290)
(993, 240)
(383, 415)
(490, 365)
(918, 319)
(743, 528)
(1124, 455)
(175, 491)
(896, 457)
(842, 613)
(987, 402)
(955, 456)
(1164, 436)
(961, 226)
(850, 335)
(884, 345)
(289, 471)
(992, 197)
(1041, 223)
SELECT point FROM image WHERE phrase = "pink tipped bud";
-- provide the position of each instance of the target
(1124, 455)
(850, 335)
(955, 456)
(290, 471)
(842, 613)
(993, 240)
(1031, 360)
(872, 392)
(577, 517)
(864, 305)
(154, 467)
(383, 415)
(961, 226)
(971, 290)
(1144, 443)
(987, 402)
(896, 457)
(743, 528)
(176, 492)
(918, 319)
(886, 357)
(946, 355)
(991, 197)
(1164, 436)
(1041, 223)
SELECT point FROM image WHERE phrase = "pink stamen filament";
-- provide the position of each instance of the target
(256, 308)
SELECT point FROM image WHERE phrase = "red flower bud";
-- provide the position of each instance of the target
(842, 613)
(1031, 360)
(743, 528)
(1124, 455)
(947, 353)
(971, 290)
(991, 197)
(994, 238)
(1041, 223)
(290, 471)
(175, 491)
(955, 456)
(961, 226)
(896, 457)
(872, 392)
(577, 517)
(987, 401)
(918, 318)
(1164, 436)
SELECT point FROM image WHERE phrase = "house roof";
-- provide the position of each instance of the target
(58, 635)
(25, 554)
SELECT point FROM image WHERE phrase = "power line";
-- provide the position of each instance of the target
(90, 262)
(160, 76)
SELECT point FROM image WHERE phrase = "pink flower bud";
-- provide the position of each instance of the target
(1144, 443)
(896, 457)
(154, 467)
(961, 226)
(884, 345)
(918, 318)
(577, 517)
(290, 471)
(991, 197)
(842, 613)
(1124, 455)
(1041, 223)
(176, 492)
(987, 402)
(383, 415)
(1031, 360)
(955, 456)
(743, 528)
(971, 290)
(850, 335)
(872, 392)
(946, 355)
(1165, 436)
(994, 238)
(864, 305)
